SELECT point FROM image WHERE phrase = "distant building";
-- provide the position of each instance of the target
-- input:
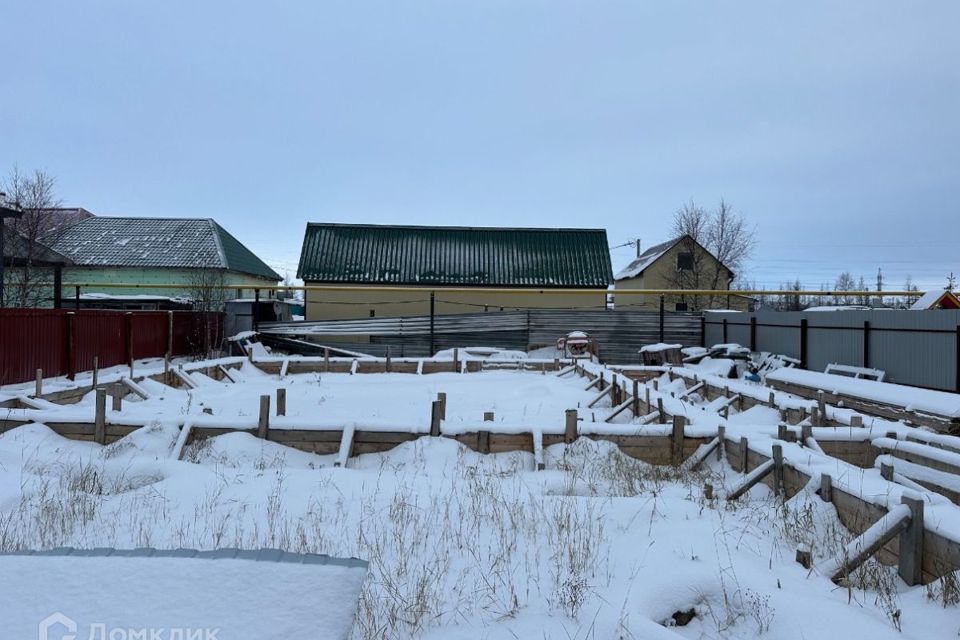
(391, 270)
(681, 263)
(188, 252)
(25, 263)
(942, 299)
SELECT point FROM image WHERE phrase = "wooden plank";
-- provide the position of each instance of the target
(679, 423)
(570, 426)
(752, 479)
(910, 562)
(623, 406)
(100, 424)
(346, 446)
(263, 424)
(870, 542)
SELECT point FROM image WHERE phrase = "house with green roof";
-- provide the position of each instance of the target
(381, 270)
(144, 252)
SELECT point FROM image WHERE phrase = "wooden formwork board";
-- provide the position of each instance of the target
(891, 412)
(941, 555)
(858, 453)
(920, 459)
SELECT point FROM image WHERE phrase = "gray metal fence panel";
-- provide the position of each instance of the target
(913, 347)
(619, 333)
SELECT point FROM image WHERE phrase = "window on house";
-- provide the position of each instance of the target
(685, 261)
(681, 306)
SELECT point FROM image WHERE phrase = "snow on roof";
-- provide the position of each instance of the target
(264, 593)
(930, 299)
(645, 259)
(156, 242)
(839, 307)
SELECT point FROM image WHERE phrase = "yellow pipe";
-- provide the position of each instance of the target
(482, 289)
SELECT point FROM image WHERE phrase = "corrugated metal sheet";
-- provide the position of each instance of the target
(157, 243)
(913, 347)
(32, 339)
(455, 256)
(619, 333)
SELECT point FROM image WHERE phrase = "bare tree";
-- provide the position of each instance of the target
(862, 286)
(724, 234)
(910, 286)
(845, 282)
(207, 292)
(35, 195)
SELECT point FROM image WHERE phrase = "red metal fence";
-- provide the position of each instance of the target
(62, 342)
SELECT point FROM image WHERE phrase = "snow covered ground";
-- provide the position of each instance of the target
(463, 545)
(469, 546)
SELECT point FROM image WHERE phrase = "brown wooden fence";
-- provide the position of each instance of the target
(62, 342)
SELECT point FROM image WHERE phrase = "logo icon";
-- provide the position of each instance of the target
(45, 626)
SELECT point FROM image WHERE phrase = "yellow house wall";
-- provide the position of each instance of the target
(661, 275)
(338, 305)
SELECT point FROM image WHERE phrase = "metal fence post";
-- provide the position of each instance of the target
(662, 305)
(256, 309)
(803, 343)
(432, 343)
(957, 360)
(866, 344)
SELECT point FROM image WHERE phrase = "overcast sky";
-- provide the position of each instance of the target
(833, 126)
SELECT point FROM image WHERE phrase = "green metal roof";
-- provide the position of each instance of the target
(455, 256)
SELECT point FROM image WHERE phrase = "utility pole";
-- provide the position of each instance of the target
(879, 279)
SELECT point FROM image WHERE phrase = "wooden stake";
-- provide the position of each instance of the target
(442, 397)
(886, 471)
(96, 371)
(826, 487)
(281, 401)
(456, 360)
(771, 401)
(636, 397)
(263, 425)
(326, 359)
(386, 364)
(822, 406)
(38, 389)
(856, 421)
(708, 491)
(804, 558)
(100, 419)
(166, 370)
(435, 410)
(483, 441)
(781, 431)
(744, 452)
(662, 418)
(778, 470)
(910, 565)
(647, 403)
(679, 422)
(806, 433)
(722, 437)
(570, 426)
(117, 397)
